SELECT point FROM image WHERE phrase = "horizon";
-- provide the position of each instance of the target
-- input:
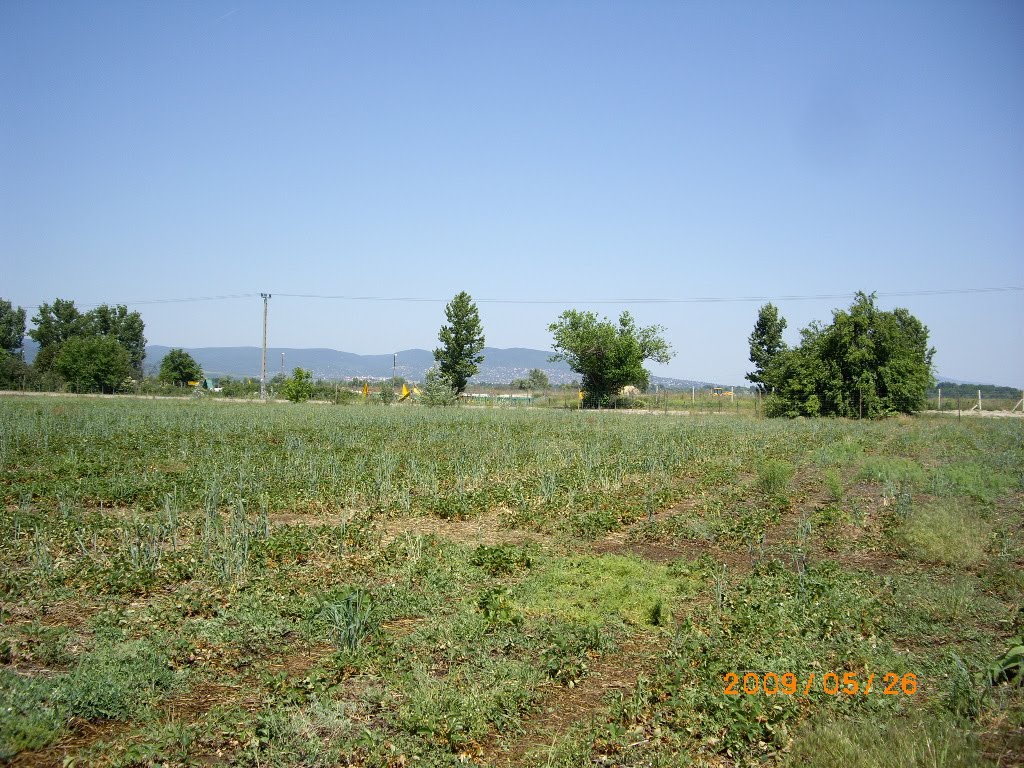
(365, 164)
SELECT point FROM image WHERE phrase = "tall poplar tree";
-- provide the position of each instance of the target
(462, 341)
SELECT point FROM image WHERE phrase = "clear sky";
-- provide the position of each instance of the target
(543, 151)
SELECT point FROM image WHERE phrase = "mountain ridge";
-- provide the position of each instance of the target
(500, 366)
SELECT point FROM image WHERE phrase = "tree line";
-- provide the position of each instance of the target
(866, 363)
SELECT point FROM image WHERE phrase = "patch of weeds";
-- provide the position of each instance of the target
(595, 522)
(749, 524)
(924, 604)
(1004, 577)
(499, 608)
(116, 682)
(458, 710)
(891, 470)
(569, 648)
(774, 477)
(37, 644)
(914, 740)
(351, 619)
(28, 719)
(501, 559)
(591, 589)
(773, 621)
(834, 485)
(839, 453)
(978, 481)
(829, 515)
(942, 533)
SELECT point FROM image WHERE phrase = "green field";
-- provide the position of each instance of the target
(211, 583)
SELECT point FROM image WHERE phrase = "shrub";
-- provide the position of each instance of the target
(437, 389)
(299, 387)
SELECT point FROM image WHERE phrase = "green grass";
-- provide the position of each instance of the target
(940, 533)
(595, 588)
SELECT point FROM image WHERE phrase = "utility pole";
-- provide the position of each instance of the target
(263, 364)
(282, 363)
(394, 369)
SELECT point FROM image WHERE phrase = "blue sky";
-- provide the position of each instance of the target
(559, 152)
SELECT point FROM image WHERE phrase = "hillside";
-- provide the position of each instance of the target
(500, 366)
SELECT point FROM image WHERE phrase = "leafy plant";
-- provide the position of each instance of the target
(351, 619)
(299, 387)
(438, 389)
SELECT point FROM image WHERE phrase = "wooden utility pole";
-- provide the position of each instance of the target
(940, 399)
(263, 364)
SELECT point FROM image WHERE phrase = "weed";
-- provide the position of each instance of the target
(941, 533)
(117, 681)
(774, 477)
(351, 619)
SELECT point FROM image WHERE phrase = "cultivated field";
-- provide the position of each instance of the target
(202, 583)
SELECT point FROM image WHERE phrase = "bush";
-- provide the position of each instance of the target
(299, 387)
(437, 389)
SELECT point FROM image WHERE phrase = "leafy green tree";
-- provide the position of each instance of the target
(12, 329)
(765, 344)
(462, 339)
(606, 355)
(438, 389)
(54, 324)
(57, 323)
(299, 387)
(179, 368)
(538, 379)
(124, 326)
(14, 372)
(93, 363)
(866, 363)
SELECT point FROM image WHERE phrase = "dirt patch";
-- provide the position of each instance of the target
(564, 707)
(84, 733)
(487, 529)
(68, 613)
(299, 663)
(203, 697)
(664, 553)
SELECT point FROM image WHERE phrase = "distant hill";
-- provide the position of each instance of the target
(500, 366)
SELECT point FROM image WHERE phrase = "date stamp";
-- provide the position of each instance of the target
(831, 683)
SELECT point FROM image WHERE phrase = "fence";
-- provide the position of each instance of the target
(978, 401)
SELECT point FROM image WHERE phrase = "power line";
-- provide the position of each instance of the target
(682, 300)
(678, 300)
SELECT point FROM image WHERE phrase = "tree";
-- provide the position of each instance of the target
(179, 368)
(867, 363)
(299, 387)
(124, 326)
(765, 344)
(438, 389)
(61, 321)
(12, 329)
(462, 339)
(538, 379)
(91, 363)
(55, 324)
(607, 356)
